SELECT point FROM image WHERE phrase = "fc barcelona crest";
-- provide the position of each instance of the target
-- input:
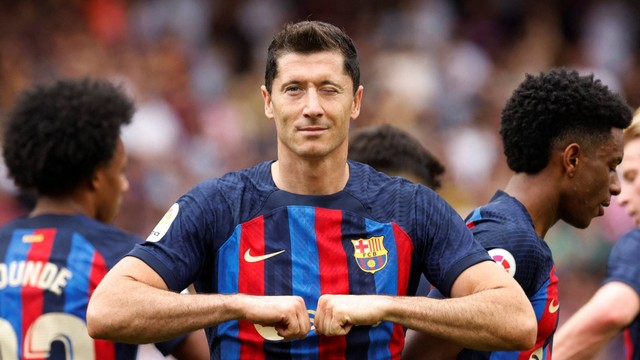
(370, 253)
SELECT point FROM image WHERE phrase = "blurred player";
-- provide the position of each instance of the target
(394, 151)
(616, 305)
(62, 142)
(562, 136)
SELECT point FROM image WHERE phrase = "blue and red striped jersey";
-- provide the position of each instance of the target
(505, 228)
(49, 267)
(623, 266)
(241, 234)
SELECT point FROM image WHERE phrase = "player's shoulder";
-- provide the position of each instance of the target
(83, 231)
(77, 223)
(505, 223)
(631, 236)
(628, 243)
(364, 178)
(232, 184)
(105, 237)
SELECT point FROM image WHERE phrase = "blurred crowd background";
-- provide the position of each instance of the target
(441, 69)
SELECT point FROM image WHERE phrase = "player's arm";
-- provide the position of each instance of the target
(194, 346)
(133, 304)
(612, 308)
(487, 310)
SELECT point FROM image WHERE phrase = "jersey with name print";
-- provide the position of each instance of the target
(504, 227)
(623, 266)
(49, 267)
(241, 234)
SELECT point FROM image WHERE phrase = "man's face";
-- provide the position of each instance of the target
(312, 102)
(630, 173)
(110, 183)
(595, 181)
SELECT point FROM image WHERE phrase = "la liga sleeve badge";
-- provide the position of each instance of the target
(163, 226)
(504, 258)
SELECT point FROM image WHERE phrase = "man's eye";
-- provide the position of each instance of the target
(329, 90)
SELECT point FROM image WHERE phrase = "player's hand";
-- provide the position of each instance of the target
(337, 314)
(287, 314)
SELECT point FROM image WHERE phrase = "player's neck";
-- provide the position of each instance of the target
(62, 205)
(310, 178)
(538, 196)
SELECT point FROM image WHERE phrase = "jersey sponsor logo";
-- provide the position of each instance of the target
(250, 258)
(370, 254)
(554, 307)
(504, 258)
(163, 226)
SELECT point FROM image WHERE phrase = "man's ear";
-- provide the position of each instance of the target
(267, 102)
(96, 179)
(357, 101)
(571, 158)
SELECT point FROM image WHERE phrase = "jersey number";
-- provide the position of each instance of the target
(66, 328)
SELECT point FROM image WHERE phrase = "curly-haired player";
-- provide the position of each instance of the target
(562, 136)
(62, 143)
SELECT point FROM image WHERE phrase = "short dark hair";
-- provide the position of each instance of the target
(555, 107)
(392, 150)
(307, 37)
(58, 134)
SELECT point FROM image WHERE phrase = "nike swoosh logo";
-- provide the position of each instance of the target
(250, 258)
(553, 308)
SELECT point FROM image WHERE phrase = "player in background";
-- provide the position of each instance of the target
(310, 248)
(615, 307)
(395, 152)
(62, 143)
(562, 137)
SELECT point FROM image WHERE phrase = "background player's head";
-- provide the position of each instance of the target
(395, 152)
(570, 127)
(630, 169)
(62, 140)
(551, 109)
(307, 37)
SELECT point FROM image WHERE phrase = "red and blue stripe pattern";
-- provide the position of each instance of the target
(50, 271)
(546, 307)
(324, 263)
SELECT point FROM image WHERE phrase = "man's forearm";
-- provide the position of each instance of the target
(487, 320)
(128, 314)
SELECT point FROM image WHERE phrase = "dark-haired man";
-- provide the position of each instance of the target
(310, 248)
(562, 136)
(62, 143)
